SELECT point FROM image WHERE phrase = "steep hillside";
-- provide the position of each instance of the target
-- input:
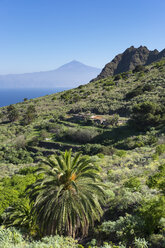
(129, 59)
(102, 108)
(118, 122)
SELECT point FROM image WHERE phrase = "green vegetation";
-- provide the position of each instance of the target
(148, 114)
(109, 191)
(68, 199)
(30, 115)
(12, 113)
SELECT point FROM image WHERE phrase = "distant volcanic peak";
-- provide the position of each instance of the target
(74, 64)
(69, 75)
(129, 59)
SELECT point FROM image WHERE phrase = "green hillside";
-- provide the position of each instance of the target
(118, 122)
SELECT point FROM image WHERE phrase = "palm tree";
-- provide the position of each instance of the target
(68, 198)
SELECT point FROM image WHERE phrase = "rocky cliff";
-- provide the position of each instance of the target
(129, 60)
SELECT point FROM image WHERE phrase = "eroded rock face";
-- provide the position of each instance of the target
(129, 60)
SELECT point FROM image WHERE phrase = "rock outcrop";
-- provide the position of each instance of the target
(129, 60)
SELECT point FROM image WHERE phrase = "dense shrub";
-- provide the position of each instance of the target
(15, 155)
(57, 129)
(112, 120)
(139, 91)
(8, 196)
(152, 212)
(20, 141)
(160, 149)
(12, 190)
(138, 68)
(12, 238)
(140, 243)
(93, 149)
(117, 77)
(109, 83)
(124, 229)
(147, 114)
(30, 115)
(137, 141)
(157, 241)
(158, 179)
(133, 183)
(125, 199)
(12, 113)
(80, 135)
(120, 153)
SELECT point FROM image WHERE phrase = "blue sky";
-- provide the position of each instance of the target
(38, 35)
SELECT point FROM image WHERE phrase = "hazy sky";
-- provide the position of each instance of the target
(37, 35)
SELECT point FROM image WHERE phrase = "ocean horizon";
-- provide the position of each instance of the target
(11, 96)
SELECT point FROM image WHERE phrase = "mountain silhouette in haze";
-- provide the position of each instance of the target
(129, 59)
(69, 75)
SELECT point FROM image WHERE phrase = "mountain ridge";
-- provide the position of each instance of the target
(129, 59)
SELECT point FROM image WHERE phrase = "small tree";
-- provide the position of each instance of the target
(30, 115)
(12, 113)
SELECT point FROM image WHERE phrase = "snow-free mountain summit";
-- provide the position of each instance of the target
(69, 75)
(129, 59)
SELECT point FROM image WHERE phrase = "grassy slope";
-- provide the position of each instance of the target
(106, 97)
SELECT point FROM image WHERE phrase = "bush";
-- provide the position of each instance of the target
(157, 180)
(152, 211)
(57, 129)
(8, 196)
(117, 77)
(138, 68)
(124, 229)
(139, 91)
(80, 135)
(160, 149)
(56, 241)
(29, 116)
(10, 237)
(147, 114)
(126, 199)
(113, 120)
(107, 150)
(157, 241)
(91, 149)
(133, 183)
(16, 156)
(120, 153)
(12, 113)
(140, 243)
(20, 141)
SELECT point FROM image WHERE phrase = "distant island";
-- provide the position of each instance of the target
(69, 75)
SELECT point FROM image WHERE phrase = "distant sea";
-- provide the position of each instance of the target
(11, 96)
